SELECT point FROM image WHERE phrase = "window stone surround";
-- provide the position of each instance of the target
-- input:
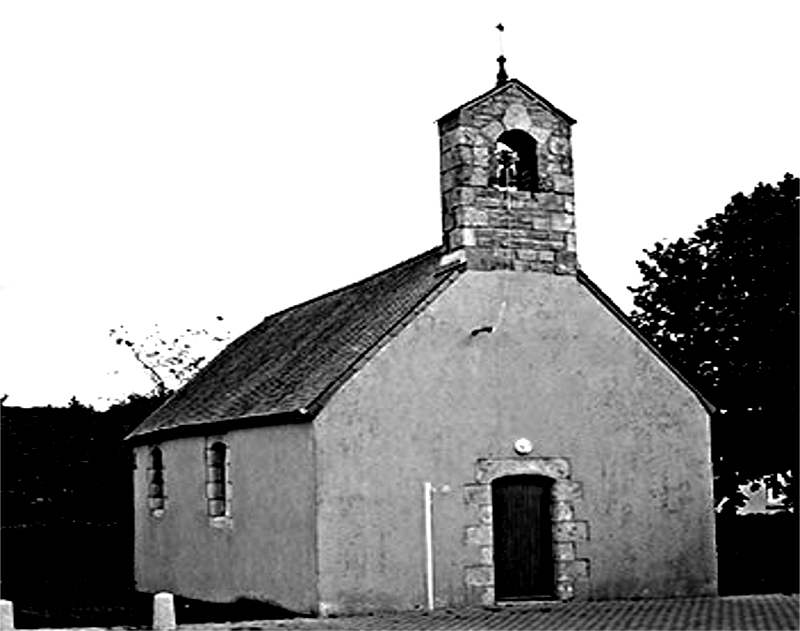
(225, 520)
(571, 572)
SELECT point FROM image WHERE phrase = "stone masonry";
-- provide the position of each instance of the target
(571, 572)
(493, 228)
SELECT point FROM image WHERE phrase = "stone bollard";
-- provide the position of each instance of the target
(6, 615)
(164, 612)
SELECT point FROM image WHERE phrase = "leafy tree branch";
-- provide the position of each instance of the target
(171, 360)
(722, 306)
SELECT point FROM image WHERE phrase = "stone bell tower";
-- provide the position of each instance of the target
(506, 182)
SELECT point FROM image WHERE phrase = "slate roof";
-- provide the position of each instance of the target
(292, 360)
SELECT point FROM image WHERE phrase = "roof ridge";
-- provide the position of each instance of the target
(352, 285)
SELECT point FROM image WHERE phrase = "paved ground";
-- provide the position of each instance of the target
(740, 612)
(733, 612)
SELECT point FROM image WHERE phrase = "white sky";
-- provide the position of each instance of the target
(167, 162)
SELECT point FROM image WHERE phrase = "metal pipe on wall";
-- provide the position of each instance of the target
(428, 510)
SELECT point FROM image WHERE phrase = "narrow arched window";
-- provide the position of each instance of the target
(515, 163)
(155, 474)
(216, 479)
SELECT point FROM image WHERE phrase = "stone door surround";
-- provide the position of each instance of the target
(571, 573)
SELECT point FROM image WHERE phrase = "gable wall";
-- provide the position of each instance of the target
(557, 369)
(265, 551)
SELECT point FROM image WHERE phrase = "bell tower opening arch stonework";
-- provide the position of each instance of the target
(571, 572)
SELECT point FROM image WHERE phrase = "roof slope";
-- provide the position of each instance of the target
(525, 90)
(293, 358)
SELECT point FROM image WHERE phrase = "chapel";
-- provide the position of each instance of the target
(477, 425)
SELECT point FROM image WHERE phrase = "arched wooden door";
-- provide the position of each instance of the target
(523, 537)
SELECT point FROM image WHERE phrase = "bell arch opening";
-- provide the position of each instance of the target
(515, 162)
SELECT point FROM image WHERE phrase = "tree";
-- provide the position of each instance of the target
(171, 360)
(722, 306)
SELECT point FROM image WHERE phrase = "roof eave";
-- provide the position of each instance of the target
(292, 417)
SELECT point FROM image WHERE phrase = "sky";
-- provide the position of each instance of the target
(165, 163)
